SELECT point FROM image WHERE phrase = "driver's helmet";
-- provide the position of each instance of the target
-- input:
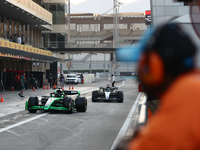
(59, 91)
(108, 88)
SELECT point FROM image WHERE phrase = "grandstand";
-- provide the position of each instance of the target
(89, 30)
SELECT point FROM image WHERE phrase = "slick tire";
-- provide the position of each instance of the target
(67, 102)
(81, 104)
(32, 101)
(94, 96)
(120, 96)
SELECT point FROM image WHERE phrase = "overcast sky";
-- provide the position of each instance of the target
(102, 6)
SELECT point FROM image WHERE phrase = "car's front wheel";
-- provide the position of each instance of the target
(120, 96)
(32, 101)
(68, 103)
(81, 104)
(94, 96)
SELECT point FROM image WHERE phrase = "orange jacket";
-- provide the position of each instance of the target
(176, 125)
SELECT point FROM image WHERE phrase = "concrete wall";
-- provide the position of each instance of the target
(57, 29)
(165, 10)
(89, 78)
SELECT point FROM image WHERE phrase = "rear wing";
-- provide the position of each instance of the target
(71, 92)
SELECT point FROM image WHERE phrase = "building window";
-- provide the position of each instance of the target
(58, 11)
(56, 40)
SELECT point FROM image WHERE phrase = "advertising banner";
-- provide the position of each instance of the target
(11, 45)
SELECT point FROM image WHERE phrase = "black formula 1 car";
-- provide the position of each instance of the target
(58, 100)
(108, 94)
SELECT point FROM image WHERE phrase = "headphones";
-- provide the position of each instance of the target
(151, 68)
(165, 50)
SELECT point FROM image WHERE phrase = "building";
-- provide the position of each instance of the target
(167, 10)
(89, 30)
(25, 19)
(58, 36)
(179, 12)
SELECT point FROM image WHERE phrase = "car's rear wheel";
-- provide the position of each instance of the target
(81, 104)
(94, 96)
(32, 101)
(68, 103)
(120, 96)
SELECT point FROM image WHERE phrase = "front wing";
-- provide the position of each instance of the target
(48, 106)
(111, 98)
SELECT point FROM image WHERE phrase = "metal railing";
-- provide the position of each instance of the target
(34, 44)
(143, 111)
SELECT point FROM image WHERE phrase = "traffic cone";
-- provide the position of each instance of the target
(2, 98)
(12, 88)
(69, 88)
(54, 86)
(44, 87)
(72, 87)
(47, 86)
(33, 88)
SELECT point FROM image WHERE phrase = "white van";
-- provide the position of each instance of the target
(72, 78)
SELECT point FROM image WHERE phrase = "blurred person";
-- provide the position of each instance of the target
(17, 81)
(10, 39)
(32, 80)
(50, 80)
(113, 80)
(54, 80)
(15, 38)
(81, 78)
(19, 39)
(167, 71)
(62, 79)
(22, 81)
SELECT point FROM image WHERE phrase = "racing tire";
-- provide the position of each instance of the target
(67, 102)
(120, 96)
(32, 101)
(81, 104)
(94, 96)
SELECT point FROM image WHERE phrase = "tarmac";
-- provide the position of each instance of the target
(13, 103)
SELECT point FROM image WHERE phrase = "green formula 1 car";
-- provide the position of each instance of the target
(58, 100)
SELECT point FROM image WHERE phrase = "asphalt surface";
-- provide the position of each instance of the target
(96, 129)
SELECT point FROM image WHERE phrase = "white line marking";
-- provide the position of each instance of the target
(123, 83)
(20, 123)
(34, 118)
(125, 126)
(2, 115)
(13, 133)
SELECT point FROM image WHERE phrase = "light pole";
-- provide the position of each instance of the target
(116, 5)
(90, 64)
(69, 34)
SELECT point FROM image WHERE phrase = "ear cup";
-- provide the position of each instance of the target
(151, 69)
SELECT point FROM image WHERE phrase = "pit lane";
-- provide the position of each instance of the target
(95, 129)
